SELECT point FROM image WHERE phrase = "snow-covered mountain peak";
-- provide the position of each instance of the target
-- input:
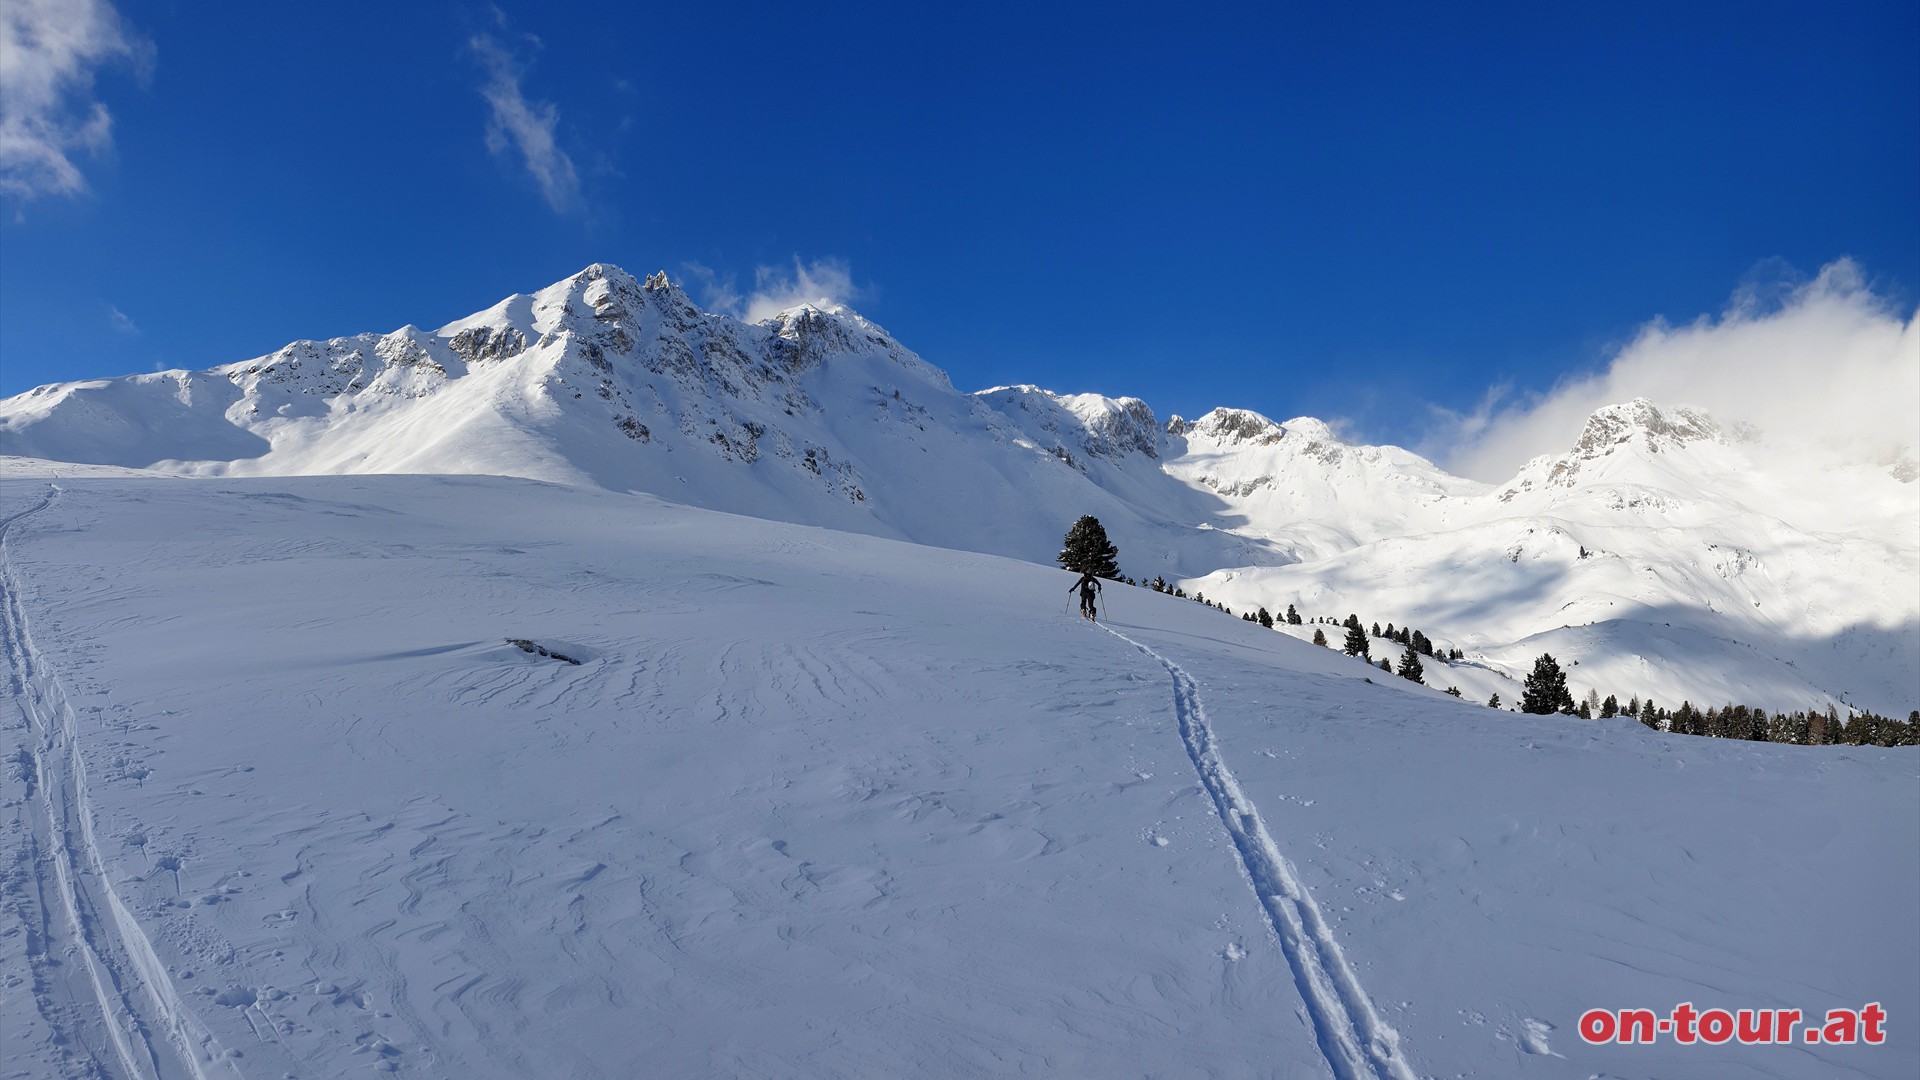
(1311, 430)
(1244, 428)
(1299, 478)
(610, 294)
(1232, 426)
(1071, 426)
(1627, 442)
(1641, 421)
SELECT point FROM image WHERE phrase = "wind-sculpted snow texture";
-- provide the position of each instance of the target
(822, 805)
(1663, 550)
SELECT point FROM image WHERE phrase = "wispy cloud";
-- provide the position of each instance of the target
(50, 51)
(716, 292)
(515, 124)
(820, 282)
(1817, 365)
(121, 323)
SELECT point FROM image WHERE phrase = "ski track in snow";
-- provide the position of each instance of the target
(125, 994)
(1357, 1042)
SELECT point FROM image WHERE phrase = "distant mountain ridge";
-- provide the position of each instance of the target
(1656, 549)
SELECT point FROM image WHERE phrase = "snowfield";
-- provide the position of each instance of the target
(281, 799)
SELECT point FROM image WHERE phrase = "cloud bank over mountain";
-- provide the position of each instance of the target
(1830, 360)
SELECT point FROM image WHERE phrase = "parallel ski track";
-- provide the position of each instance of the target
(130, 986)
(1357, 1042)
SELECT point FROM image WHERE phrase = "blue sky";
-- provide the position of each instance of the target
(1373, 213)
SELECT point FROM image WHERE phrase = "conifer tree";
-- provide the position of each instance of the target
(1546, 689)
(1357, 642)
(1494, 701)
(1782, 729)
(1320, 638)
(1455, 691)
(1293, 617)
(1087, 550)
(1386, 666)
(1610, 707)
(1410, 668)
(1859, 730)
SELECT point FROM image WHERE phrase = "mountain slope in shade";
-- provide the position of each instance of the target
(1663, 550)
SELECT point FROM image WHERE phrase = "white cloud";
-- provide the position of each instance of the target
(49, 53)
(1827, 363)
(821, 282)
(526, 126)
(121, 322)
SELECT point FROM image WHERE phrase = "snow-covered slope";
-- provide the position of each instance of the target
(1663, 555)
(1661, 551)
(280, 799)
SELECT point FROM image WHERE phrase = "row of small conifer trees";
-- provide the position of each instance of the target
(1545, 693)
(1545, 690)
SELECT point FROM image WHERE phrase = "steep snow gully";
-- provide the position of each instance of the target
(97, 982)
(1358, 1044)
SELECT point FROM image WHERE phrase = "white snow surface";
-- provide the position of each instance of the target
(280, 799)
(1663, 551)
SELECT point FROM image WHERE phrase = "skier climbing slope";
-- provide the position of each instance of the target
(1088, 586)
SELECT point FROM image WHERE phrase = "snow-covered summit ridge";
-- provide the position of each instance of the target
(1641, 442)
(308, 406)
(1100, 426)
(1642, 425)
(1234, 426)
